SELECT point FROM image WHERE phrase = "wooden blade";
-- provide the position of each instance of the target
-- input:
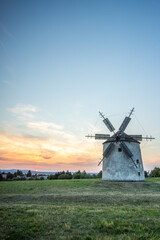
(136, 137)
(108, 124)
(102, 136)
(124, 124)
(126, 149)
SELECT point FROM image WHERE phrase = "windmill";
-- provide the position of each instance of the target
(122, 159)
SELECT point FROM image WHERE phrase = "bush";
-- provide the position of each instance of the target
(31, 178)
(76, 175)
(65, 176)
(60, 175)
(23, 178)
(83, 175)
(51, 177)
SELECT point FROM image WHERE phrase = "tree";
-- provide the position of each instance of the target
(155, 172)
(9, 176)
(77, 175)
(146, 174)
(1, 177)
(99, 175)
(69, 173)
(29, 174)
(19, 173)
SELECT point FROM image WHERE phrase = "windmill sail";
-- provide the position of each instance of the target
(102, 136)
(109, 149)
(108, 124)
(126, 150)
(124, 124)
(136, 137)
(99, 136)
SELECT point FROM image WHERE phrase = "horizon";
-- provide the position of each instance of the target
(45, 171)
(62, 62)
(14, 169)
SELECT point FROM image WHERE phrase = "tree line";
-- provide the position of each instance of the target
(76, 175)
(18, 175)
(58, 175)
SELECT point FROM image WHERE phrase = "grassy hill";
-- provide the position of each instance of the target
(80, 209)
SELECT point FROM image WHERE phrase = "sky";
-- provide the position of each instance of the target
(63, 61)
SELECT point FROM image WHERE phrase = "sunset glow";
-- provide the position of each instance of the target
(46, 154)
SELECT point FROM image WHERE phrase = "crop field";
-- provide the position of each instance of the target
(80, 209)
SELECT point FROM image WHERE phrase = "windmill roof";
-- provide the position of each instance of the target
(123, 138)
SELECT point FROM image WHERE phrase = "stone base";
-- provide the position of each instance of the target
(118, 167)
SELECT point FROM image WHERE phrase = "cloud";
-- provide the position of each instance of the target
(20, 108)
(24, 110)
(43, 144)
(38, 129)
(34, 164)
(51, 130)
(6, 159)
(34, 136)
(48, 154)
(43, 126)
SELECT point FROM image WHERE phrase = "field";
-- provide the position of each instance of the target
(80, 209)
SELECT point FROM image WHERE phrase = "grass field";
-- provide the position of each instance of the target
(80, 209)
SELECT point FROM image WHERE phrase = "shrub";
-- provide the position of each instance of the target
(23, 178)
(51, 177)
(65, 176)
(76, 175)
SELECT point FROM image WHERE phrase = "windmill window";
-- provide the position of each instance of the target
(137, 160)
(139, 174)
(119, 149)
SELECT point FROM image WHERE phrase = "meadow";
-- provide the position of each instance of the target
(80, 209)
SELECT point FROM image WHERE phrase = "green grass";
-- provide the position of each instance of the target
(80, 209)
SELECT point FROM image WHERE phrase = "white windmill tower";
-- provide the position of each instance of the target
(122, 159)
